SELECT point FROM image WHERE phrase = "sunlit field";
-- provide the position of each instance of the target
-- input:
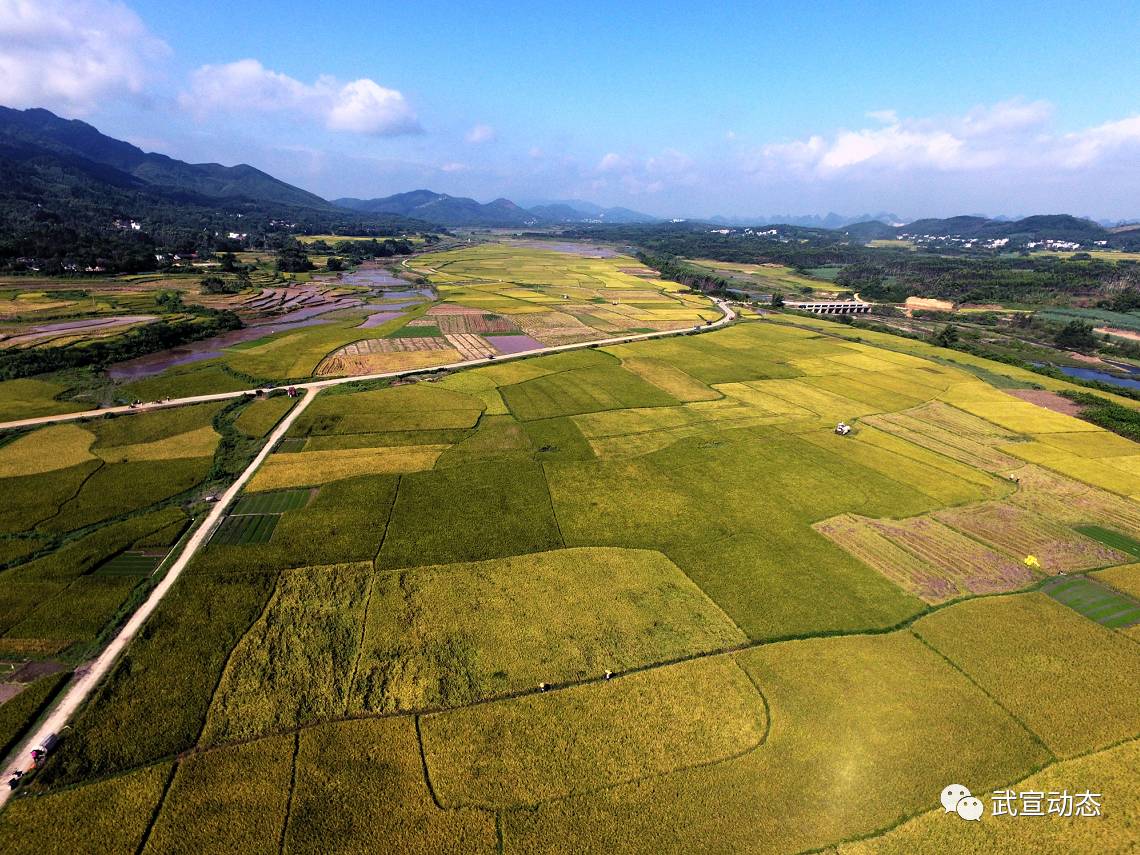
(641, 597)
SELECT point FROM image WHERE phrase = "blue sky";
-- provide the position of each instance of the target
(682, 109)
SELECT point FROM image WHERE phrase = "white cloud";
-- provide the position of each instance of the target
(360, 106)
(1094, 144)
(612, 162)
(887, 117)
(481, 134)
(71, 55)
(1005, 116)
(1011, 135)
(454, 166)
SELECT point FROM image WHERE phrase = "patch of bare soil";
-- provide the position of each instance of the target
(1048, 400)
(37, 668)
(1119, 333)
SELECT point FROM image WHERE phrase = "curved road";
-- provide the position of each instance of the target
(80, 689)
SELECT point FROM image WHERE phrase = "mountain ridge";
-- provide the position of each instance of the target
(460, 211)
(77, 139)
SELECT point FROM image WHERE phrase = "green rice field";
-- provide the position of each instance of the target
(1095, 601)
(1112, 538)
(639, 598)
(245, 529)
(272, 503)
(129, 564)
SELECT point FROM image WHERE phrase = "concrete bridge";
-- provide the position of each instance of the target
(830, 307)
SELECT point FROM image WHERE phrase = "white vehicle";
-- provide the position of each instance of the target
(843, 429)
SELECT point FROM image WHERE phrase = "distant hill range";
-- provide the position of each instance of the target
(829, 221)
(1039, 228)
(39, 138)
(72, 198)
(458, 211)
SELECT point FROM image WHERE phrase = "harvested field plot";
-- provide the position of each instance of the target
(1020, 533)
(875, 549)
(379, 363)
(509, 753)
(1071, 681)
(470, 346)
(926, 558)
(982, 570)
(451, 322)
(550, 617)
(1066, 500)
(554, 328)
(950, 432)
(276, 502)
(1095, 601)
(245, 530)
(359, 782)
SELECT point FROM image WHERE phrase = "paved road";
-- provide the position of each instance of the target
(80, 689)
(322, 384)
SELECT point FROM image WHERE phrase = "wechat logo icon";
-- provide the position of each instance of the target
(957, 799)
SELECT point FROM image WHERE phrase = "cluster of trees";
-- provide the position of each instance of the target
(59, 220)
(675, 270)
(292, 258)
(1108, 414)
(892, 275)
(1076, 335)
(219, 285)
(361, 250)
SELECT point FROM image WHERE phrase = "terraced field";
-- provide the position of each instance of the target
(638, 598)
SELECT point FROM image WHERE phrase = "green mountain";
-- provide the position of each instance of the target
(1040, 227)
(459, 211)
(72, 197)
(70, 139)
(445, 210)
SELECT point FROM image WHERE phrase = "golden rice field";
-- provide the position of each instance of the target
(637, 598)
